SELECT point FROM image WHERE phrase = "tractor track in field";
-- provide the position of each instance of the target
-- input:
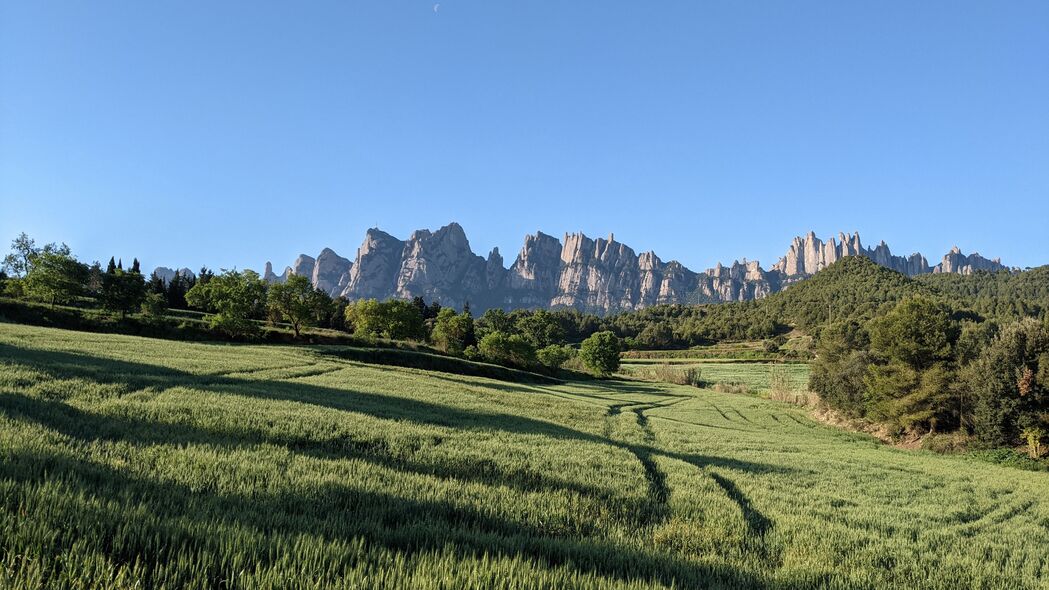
(723, 414)
(740, 414)
(657, 506)
(249, 372)
(799, 421)
(317, 373)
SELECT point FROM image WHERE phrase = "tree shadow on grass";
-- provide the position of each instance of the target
(89, 427)
(150, 523)
(133, 376)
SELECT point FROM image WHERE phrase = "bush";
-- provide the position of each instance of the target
(600, 353)
(555, 355)
(154, 306)
(731, 387)
(1007, 395)
(953, 442)
(668, 373)
(394, 319)
(1033, 436)
(512, 350)
(453, 332)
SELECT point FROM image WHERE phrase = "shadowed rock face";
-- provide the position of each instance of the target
(594, 275)
(440, 266)
(303, 265)
(331, 272)
(374, 272)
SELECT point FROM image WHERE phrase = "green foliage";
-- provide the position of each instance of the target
(918, 332)
(494, 320)
(55, 276)
(540, 328)
(154, 306)
(555, 356)
(122, 291)
(1004, 295)
(296, 301)
(1034, 435)
(1003, 384)
(453, 332)
(19, 261)
(13, 287)
(600, 353)
(655, 336)
(395, 319)
(233, 299)
(507, 349)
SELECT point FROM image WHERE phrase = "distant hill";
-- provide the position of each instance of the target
(852, 288)
(855, 287)
(998, 294)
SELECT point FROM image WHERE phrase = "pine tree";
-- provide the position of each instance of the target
(135, 268)
(112, 268)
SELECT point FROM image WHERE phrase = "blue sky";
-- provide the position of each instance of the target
(231, 133)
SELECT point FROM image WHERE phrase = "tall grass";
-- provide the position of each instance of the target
(128, 462)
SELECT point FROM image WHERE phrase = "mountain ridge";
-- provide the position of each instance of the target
(596, 275)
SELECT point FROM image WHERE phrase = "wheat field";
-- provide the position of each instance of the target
(135, 463)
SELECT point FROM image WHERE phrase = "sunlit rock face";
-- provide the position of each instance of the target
(593, 275)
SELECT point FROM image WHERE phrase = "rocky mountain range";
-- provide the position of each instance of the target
(594, 275)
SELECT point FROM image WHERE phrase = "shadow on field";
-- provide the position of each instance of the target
(89, 427)
(399, 523)
(140, 376)
(153, 523)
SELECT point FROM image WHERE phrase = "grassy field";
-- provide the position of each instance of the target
(135, 463)
(750, 376)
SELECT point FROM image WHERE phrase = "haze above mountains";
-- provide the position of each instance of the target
(594, 275)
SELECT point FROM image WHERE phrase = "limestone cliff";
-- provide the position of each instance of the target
(594, 275)
(956, 262)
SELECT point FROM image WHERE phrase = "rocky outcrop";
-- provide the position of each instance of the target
(597, 275)
(494, 271)
(331, 272)
(956, 262)
(303, 266)
(166, 274)
(533, 278)
(270, 277)
(440, 266)
(809, 255)
(742, 281)
(373, 274)
(594, 275)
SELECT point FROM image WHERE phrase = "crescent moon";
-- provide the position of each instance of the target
(435, 7)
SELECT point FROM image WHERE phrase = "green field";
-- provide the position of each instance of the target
(128, 462)
(753, 376)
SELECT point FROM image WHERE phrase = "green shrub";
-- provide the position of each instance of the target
(600, 353)
(555, 355)
(512, 350)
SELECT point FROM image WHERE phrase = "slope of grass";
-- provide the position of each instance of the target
(128, 462)
(751, 376)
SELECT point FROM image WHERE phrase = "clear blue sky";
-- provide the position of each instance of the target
(231, 133)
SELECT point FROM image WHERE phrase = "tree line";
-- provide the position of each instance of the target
(957, 353)
(237, 303)
(926, 366)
